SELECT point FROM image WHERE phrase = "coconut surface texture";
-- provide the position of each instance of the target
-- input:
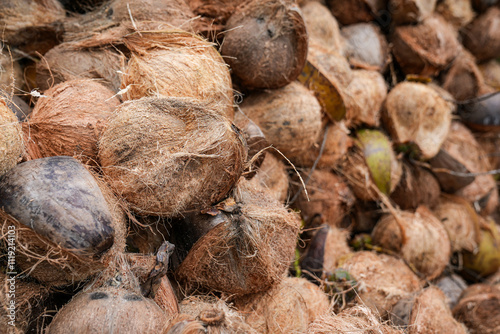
(482, 36)
(272, 177)
(412, 11)
(11, 141)
(169, 155)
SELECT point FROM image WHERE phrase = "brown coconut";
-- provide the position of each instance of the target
(11, 140)
(329, 199)
(426, 48)
(212, 15)
(174, 63)
(244, 247)
(481, 36)
(366, 46)
(458, 13)
(350, 12)
(272, 176)
(155, 147)
(481, 114)
(418, 186)
(68, 120)
(420, 238)
(265, 43)
(410, 11)
(287, 308)
(415, 113)
(11, 73)
(491, 73)
(382, 279)
(289, 117)
(68, 62)
(490, 143)
(479, 309)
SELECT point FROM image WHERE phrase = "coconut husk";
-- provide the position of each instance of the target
(356, 319)
(418, 186)
(289, 117)
(352, 12)
(490, 143)
(479, 309)
(11, 73)
(458, 13)
(20, 108)
(481, 36)
(418, 237)
(287, 308)
(416, 113)
(427, 48)
(382, 279)
(366, 46)
(491, 73)
(452, 286)
(147, 233)
(328, 199)
(68, 120)
(272, 176)
(330, 63)
(152, 148)
(177, 64)
(463, 80)
(265, 43)
(367, 92)
(413, 11)
(11, 140)
(322, 27)
(67, 62)
(248, 246)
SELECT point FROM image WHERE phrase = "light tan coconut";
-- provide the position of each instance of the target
(410, 11)
(169, 155)
(273, 177)
(459, 13)
(481, 36)
(491, 73)
(11, 140)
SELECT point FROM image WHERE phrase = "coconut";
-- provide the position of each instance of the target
(243, 247)
(416, 113)
(212, 15)
(265, 43)
(417, 186)
(479, 309)
(413, 11)
(272, 176)
(481, 36)
(463, 80)
(367, 92)
(11, 140)
(16, 104)
(68, 62)
(365, 216)
(322, 27)
(426, 48)
(155, 147)
(52, 246)
(355, 319)
(491, 73)
(81, 6)
(490, 143)
(11, 73)
(481, 114)
(350, 12)
(426, 312)
(418, 237)
(328, 199)
(366, 46)
(482, 5)
(68, 120)
(287, 308)
(289, 117)
(173, 63)
(459, 13)
(147, 233)
(452, 286)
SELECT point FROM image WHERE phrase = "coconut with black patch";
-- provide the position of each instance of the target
(265, 43)
(481, 36)
(11, 140)
(165, 156)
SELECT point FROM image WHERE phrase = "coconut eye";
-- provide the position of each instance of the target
(132, 298)
(98, 295)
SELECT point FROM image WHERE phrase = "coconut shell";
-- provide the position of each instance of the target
(479, 309)
(459, 13)
(265, 43)
(272, 176)
(416, 113)
(366, 46)
(248, 246)
(482, 114)
(412, 11)
(427, 48)
(491, 73)
(289, 117)
(351, 12)
(418, 237)
(481, 36)
(287, 308)
(11, 141)
(68, 120)
(177, 64)
(463, 80)
(153, 148)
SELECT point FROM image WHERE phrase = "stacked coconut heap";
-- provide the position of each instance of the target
(250, 166)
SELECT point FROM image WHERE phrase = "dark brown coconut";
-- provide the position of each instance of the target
(68, 120)
(169, 155)
(350, 12)
(265, 43)
(11, 140)
(479, 309)
(68, 62)
(418, 237)
(410, 11)
(272, 176)
(459, 13)
(463, 80)
(366, 46)
(383, 279)
(287, 308)
(177, 64)
(491, 73)
(416, 113)
(482, 36)
(426, 48)
(482, 5)
(244, 248)
(289, 117)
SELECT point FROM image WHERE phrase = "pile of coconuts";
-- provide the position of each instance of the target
(261, 166)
